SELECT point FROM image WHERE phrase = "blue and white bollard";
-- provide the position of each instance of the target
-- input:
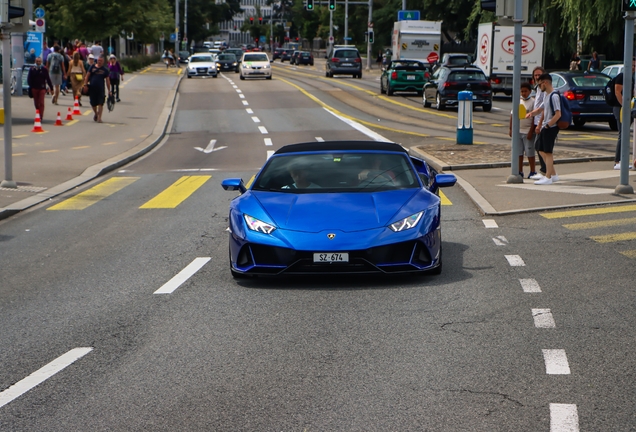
(465, 117)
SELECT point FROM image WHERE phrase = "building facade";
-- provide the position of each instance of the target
(230, 31)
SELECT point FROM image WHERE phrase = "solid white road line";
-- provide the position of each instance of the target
(242, 96)
(268, 141)
(564, 418)
(256, 120)
(249, 110)
(515, 260)
(365, 130)
(320, 139)
(556, 362)
(42, 374)
(530, 286)
(270, 153)
(543, 318)
(500, 241)
(245, 102)
(183, 276)
(490, 223)
(263, 130)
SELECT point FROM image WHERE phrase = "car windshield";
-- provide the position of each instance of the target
(408, 65)
(346, 53)
(305, 54)
(590, 80)
(467, 76)
(197, 59)
(227, 57)
(458, 61)
(184, 53)
(255, 58)
(337, 172)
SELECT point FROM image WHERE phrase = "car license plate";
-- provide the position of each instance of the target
(347, 64)
(597, 98)
(410, 77)
(474, 96)
(330, 257)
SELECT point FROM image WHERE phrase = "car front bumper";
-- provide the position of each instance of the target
(260, 72)
(202, 72)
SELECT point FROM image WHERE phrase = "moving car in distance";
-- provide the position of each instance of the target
(227, 63)
(293, 58)
(447, 82)
(405, 76)
(183, 56)
(255, 65)
(201, 65)
(238, 53)
(305, 58)
(344, 60)
(584, 92)
(337, 207)
(277, 53)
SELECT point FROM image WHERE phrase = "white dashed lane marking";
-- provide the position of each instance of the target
(262, 129)
(530, 286)
(270, 153)
(500, 241)
(249, 110)
(242, 96)
(515, 260)
(564, 418)
(543, 318)
(320, 139)
(185, 274)
(245, 103)
(256, 120)
(556, 362)
(268, 141)
(490, 223)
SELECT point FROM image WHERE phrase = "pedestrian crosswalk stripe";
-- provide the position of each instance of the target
(629, 253)
(178, 192)
(589, 212)
(610, 238)
(94, 194)
(600, 224)
(444, 198)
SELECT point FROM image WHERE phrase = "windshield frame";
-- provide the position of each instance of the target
(198, 59)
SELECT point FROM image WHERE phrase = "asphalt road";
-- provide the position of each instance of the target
(473, 349)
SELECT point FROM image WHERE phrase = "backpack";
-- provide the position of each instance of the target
(610, 94)
(566, 114)
(55, 64)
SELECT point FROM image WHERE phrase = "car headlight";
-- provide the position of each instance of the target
(266, 67)
(245, 66)
(218, 65)
(258, 226)
(407, 222)
(234, 64)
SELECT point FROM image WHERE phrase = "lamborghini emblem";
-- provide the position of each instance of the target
(331, 236)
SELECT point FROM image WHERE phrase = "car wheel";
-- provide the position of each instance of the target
(359, 76)
(578, 121)
(389, 90)
(487, 107)
(425, 102)
(420, 93)
(189, 76)
(438, 101)
(216, 75)
(269, 77)
(613, 125)
(242, 77)
(382, 91)
(437, 270)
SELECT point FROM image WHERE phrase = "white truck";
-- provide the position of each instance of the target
(416, 40)
(495, 53)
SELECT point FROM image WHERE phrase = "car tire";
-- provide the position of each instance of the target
(215, 76)
(382, 91)
(189, 76)
(425, 102)
(242, 77)
(578, 122)
(613, 125)
(439, 105)
(487, 107)
(389, 90)
(359, 76)
(269, 77)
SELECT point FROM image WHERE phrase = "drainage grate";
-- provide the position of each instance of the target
(24, 189)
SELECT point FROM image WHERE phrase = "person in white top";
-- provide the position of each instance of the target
(97, 50)
(549, 129)
(526, 131)
(536, 115)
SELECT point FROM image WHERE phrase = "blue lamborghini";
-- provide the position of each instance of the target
(337, 207)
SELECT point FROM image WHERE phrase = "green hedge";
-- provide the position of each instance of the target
(131, 64)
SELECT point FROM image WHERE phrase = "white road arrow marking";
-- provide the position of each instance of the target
(210, 148)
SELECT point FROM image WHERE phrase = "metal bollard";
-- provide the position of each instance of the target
(465, 117)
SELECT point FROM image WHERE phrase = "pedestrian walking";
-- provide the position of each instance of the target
(76, 75)
(549, 129)
(95, 78)
(97, 49)
(55, 66)
(539, 97)
(618, 91)
(83, 51)
(45, 52)
(595, 63)
(575, 62)
(116, 74)
(90, 61)
(67, 60)
(379, 59)
(38, 79)
(525, 141)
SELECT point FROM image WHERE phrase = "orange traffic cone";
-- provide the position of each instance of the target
(58, 120)
(69, 114)
(76, 110)
(37, 126)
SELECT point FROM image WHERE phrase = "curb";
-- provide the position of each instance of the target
(97, 170)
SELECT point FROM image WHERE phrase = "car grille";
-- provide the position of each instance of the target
(202, 70)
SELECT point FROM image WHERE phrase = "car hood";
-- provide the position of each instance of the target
(349, 212)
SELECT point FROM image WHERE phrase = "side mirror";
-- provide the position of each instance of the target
(234, 184)
(445, 180)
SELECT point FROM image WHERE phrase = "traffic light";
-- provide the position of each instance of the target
(489, 5)
(260, 20)
(10, 12)
(251, 20)
(370, 35)
(332, 5)
(629, 5)
(310, 5)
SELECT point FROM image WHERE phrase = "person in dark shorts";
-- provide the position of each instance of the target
(95, 78)
(549, 129)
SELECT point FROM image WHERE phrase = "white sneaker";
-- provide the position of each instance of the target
(537, 176)
(617, 166)
(554, 178)
(544, 181)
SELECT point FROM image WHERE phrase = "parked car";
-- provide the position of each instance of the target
(227, 63)
(404, 75)
(584, 92)
(613, 70)
(337, 207)
(344, 60)
(277, 53)
(447, 82)
(255, 64)
(201, 65)
(305, 58)
(183, 56)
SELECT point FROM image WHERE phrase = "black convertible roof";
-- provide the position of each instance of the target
(341, 146)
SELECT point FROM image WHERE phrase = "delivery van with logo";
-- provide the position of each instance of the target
(417, 40)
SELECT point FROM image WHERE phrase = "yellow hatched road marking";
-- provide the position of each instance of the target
(445, 200)
(176, 193)
(94, 194)
(610, 238)
(600, 224)
(71, 122)
(589, 212)
(629, 253)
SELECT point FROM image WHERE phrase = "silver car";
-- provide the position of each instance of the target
(202, 65)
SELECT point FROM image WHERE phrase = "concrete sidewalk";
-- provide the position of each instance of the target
(48, 164)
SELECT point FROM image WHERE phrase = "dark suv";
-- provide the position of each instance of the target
(447, 82)
(344, 60)
(277, 53)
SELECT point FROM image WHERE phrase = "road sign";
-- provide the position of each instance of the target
(331, 39)
(347, 38)
(432, 57)
(40, 25)
(408, 15)
(173, 37)
(628, 5)
(39, 13)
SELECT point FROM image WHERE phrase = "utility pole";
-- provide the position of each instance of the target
(346, 29)
(6, 96)
(369, 27)
(185, 25)
(176, 28)
(330, 30)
